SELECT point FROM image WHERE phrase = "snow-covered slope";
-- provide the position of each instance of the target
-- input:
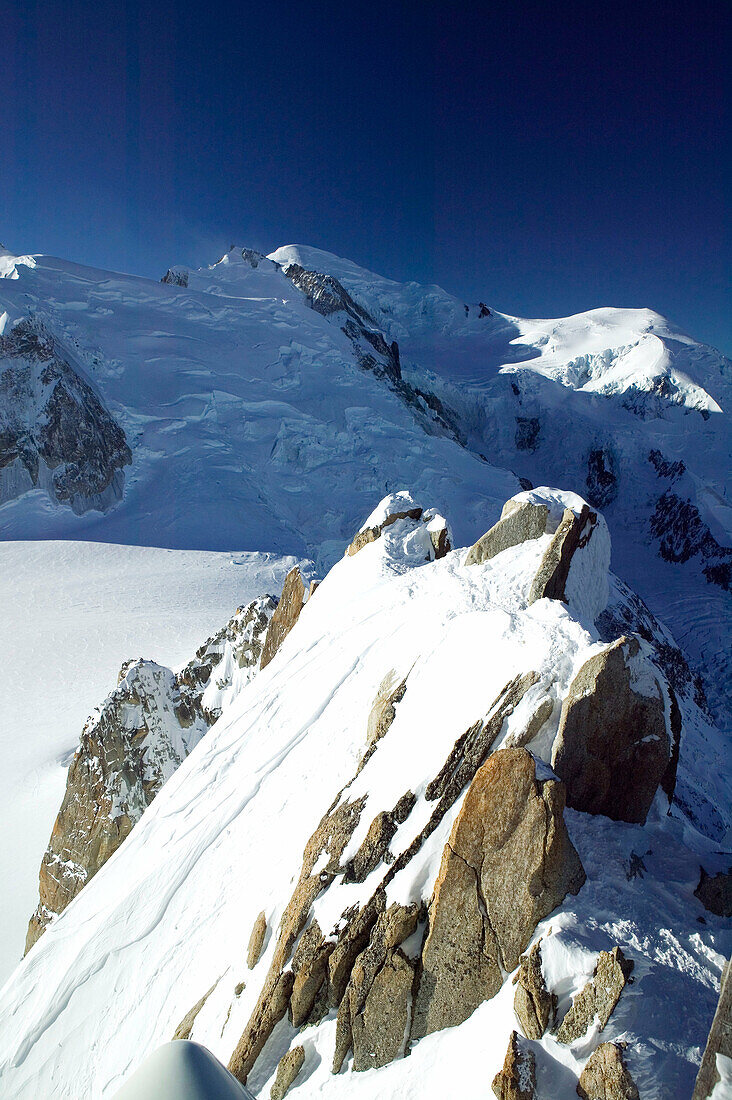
(250, 422)
(169, 916)
(266, 411)
(72, 613)
(618, 403)
(267, 403)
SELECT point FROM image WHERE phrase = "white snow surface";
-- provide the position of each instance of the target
(72, 614)
(250, 423)
(172, 910)
(252, 426)
(9, 265)
(723, 1088)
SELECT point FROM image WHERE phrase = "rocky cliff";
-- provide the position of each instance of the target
(439, 828)
(55, 431)
(132, 744)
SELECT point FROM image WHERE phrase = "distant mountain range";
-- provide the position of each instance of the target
(332, 837)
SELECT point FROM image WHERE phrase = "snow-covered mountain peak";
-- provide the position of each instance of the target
(607, 350)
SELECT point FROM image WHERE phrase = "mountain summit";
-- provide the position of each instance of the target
(443, 802)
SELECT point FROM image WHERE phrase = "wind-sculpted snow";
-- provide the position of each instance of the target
(267, 411)
(72, 613)
(171, 913)
(130, 746)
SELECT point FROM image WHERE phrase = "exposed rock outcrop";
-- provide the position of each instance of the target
(55, 431)
(289, 1066)
(508, 863)
(132, 744)
(719, 1040)
(375, 846)
(310, 972)
(175, 276)
(471, 749)
(598, 998)
(371, 534)
(284, 618)
(602, 477)
(383, 711)
(227, 660)
(373, 1017)
(606, 1077)
(185, 1027)
(520, 521)
(665, 467)
(626, 613)
(371, 350)
(715, 892)
(517, 1079)
(401, 506)
(534, 1005)
(613, 747)
(526, 437)
(682, 534)
(329, 839)
(573, 534)
(256, 940)
(129, 747)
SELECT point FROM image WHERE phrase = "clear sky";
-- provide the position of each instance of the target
(546, 158)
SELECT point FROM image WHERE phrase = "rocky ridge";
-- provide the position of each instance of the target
(397, 973)
(447, 847)
(132, 744)
(55, 431)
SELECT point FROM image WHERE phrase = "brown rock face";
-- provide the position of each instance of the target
(436, 528)
(331, 837)
(375, 846)
(358, 966)
(572, 534)
(471, 749)
(715, 892)
(598, 998)
(519, 522)
(288, 1069)
(374, 1013)
(185, 1027)
(612, 749)
(256, 940)
(719, 1040)
(533, 1004)
(508, 863)
(310, 967)
(383, 711)
(371, 534)
(128, 748)
(605, 1076)
(517, 1079)
(286, 615)
(131, 745)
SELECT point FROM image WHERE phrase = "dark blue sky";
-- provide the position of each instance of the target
(546, 158)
